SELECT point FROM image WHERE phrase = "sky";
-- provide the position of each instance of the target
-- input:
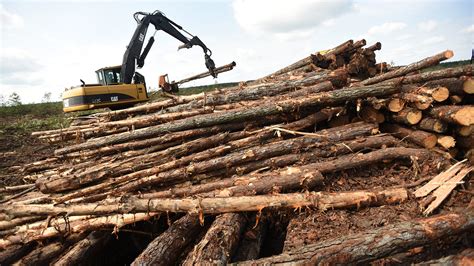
(47, 46)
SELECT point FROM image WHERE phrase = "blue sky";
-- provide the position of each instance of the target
(47, 46)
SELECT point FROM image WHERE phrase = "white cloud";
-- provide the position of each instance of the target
(10, 20)
(17, 67)
(386, 28)
(403, 37)
(434, 40)
(469, 29)
(286, 17)
(428, 25)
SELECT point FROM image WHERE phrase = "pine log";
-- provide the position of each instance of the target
(86, 248)
(370, 114)
(377, 104)
(465, 257)
(220, 242)
(28, 233)
(468, 85)
(294, 174)
(433, 125)
(211, 153)
(255, 153)
(407, 116)
(163, 250)
(454, 85)
(427, 62)
(446, 142)
(419, 137)
(433, 75)
(460, 115)
(320, 200)
(14, 253)
(375, 47)
(465, 130)
(45, 254)
(437, 93)
(391, 239)
(396, 105)
(320, 99)
(252, 240)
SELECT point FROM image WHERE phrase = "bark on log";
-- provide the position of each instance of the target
(163, 250)
(252, 240)
(465, 257)
(433, 125)
(220, 242)
(320, 200)
(407, 116)
(320, 99)
(460, 115)
(89, 246)
(427, 62)
(209, 154)
(437, 93)
(255, 153)
(373, 244)
(45, 254)
(217, 70)
(419, 137)
(15, 252)
(372, 142)
(454, 85)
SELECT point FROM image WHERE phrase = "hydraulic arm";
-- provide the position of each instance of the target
(134, 55)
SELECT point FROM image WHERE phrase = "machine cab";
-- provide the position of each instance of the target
(109, 75)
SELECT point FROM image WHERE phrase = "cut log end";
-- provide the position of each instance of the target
(396, 105)
(448, 54)
(465, 116)
(468, 86)
(446, 142)
(440, 94)
(414, 117)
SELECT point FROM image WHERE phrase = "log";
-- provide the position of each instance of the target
(407, 116)
(396, 105)
(370, 114)
(433, 125)
(468, 85)
(320, 200)
(295, 174)
(86, 248)
(419, 137)
(427, 62)
(433, 75)
(220, 242)
(437, 93)
(465, 131)
(454, 85)
(320, 99)
(465, 257)
(255, 153)
(27, 233)
(45, 254)
(460, 115)
(252, 240)
(253, 139)
(446, 142)
(391, 239)
(15, 252)
(217, 70)
(163, 250)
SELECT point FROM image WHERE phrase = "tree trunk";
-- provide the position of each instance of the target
(220, 242)
(433, 125)
(427, 62)
(419, 137)
(383, 241)
(407, 116)
(86, 248)
(320, 200)
(164, 249)
(460, 115)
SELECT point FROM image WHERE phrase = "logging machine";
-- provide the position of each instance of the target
(121, 86)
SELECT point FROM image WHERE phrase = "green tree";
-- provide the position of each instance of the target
(14, 99)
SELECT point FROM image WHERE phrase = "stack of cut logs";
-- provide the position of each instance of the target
(204, 174)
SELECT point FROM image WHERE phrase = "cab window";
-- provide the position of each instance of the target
(112, 76)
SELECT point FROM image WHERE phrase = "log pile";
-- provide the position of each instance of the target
(216, 177)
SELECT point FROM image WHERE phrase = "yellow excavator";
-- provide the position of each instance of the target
(121, 86)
